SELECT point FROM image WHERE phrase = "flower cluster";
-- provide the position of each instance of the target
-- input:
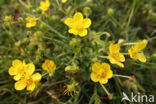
(23, 74)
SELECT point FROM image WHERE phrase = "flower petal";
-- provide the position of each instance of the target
(17, 77)
(78, 16)
(86, 22)
(31, 87)
(93, 77)
(96, 66)
(20, 85)
(36, 77)
(69, 22)
(30, 68)
(12, 71)
(114, 48)
(73, 31)
(141, 57)
(16, 62)
(106, 66)
(82, 32)
(140, 45)
(103, 81)
(109, 74)
(121, 57)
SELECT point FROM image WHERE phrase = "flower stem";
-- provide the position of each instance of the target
(104, 88)
(103, 57)
(123, 76)
(132, 43)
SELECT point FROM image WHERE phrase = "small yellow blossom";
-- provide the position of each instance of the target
(44, 5)
(31, 22)
(134, 51)
(101, 72)
(20, 69)
(115, 56)
(48, 65)
(28, 81)
(78, 25)
(63, 1)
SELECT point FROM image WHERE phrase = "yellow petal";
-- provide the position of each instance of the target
(109, 74)
(86, 23)
(20, 85)
(105, 66)
(30, 68)
(93, 77)
(12, 71)
(140, 46)
(96, 66)
(141, 57)
(36, 77)
(73, 31)
(69, 22)
(16, 62)
(114, 48)
(82, 32)
(78, 16)
(121, 57)
(17, 77)
(31, 87)
(103, 81)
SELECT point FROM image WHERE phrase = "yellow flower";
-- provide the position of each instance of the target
(31, 21)
(19, 69)
(78, 25)
(101, 72)
(44, 5)
(48, 65)
(63, 1)
(28, 81)
(115, 56)
(134, 51)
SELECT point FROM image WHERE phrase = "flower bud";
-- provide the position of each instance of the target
(110, 11)
(8, 19)
(121, 41)
(87, 11)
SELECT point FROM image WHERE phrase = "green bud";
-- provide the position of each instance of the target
(30, 7)
(110, 11)
(8, 19)
(75, 45)
(43, 27)
(39, 10)
(20, 19)
(121, 41)
(87, 11)
(38, 34)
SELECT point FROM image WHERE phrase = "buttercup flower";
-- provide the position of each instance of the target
(63, 1)
(134, 51)
(48, 65)
(31, 22)
(44, 5)
(78, 25)
(115, 56)
(101, 72)
(28, 81)
(19, 69)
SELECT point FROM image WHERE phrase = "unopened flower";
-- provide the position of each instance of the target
(44, 5)
(48, 65)
(101, 72)
(28, 81)
(31, 22)
(115, 56)
(19, 69)
(135, 51)
(78, 25)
